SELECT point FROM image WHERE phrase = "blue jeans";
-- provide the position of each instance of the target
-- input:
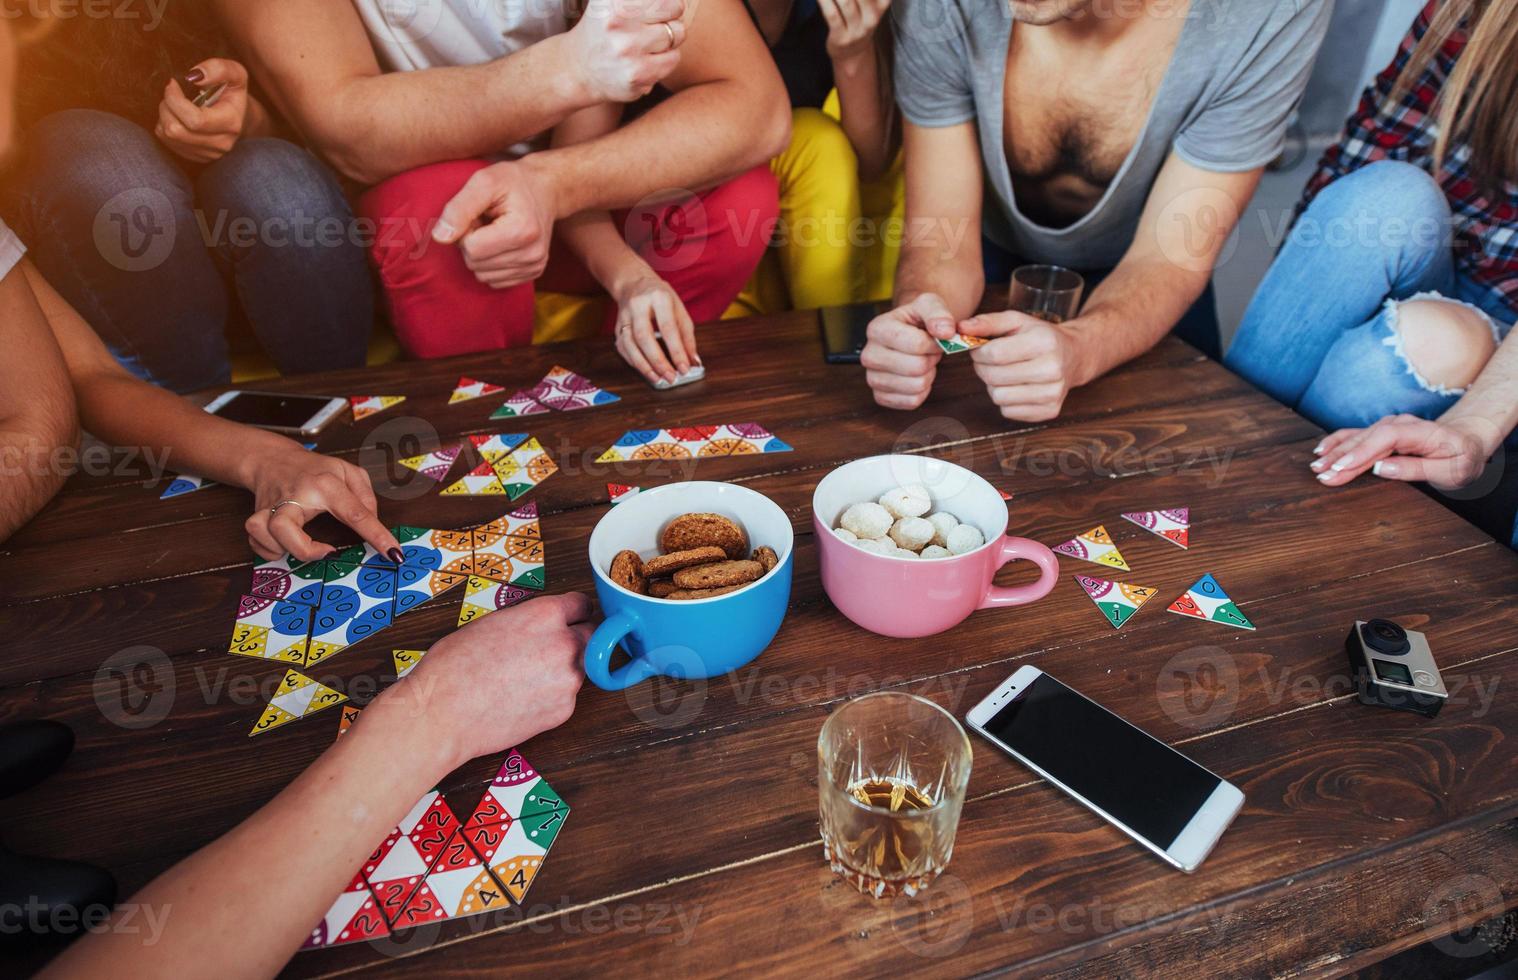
(154, 260)
(1320, 335)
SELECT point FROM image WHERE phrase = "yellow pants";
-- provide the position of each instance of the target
(838, 238)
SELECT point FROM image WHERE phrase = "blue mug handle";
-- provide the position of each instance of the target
(598, 655)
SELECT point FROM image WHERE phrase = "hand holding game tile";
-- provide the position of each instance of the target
(291, 487)
(498, 681)
(1029, 366)
(648, 311)
(901, 355)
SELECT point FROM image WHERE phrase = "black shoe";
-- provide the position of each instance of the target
(31, 751)
(46, 901)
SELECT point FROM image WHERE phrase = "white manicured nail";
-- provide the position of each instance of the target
(1384, 468)
(1343, 465)
(1325, 477)
(1319, 450)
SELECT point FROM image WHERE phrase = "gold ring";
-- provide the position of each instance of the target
(671, 32)
(275, 509)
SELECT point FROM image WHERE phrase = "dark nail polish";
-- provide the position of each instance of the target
(195, 76)
(397, 555)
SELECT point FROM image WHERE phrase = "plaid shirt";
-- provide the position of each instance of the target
(1485, 231)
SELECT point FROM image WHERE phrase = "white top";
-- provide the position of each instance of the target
(413, 34)
(11, 250)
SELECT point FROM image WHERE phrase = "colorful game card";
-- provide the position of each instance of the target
(478, 482)
(406, 661)
(185, 483)
(1207, 600)
(271, 629)
(618, 492)
(483, 596)
(738, 439)
(434, 465)
(528, 465)
(353, 917)
(564, 391)
(1118, 601)
(1172, 525)
(494, 447)
(296, 697)
(367, 405)
(518, 405)
(959, 343)
(469, 389)
(1096, 547)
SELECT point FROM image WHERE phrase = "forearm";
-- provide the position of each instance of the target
(373, 127)
(1131, 311)
(1490, 405)
(321, 827)
(866, 120)
(595, 240)
(938, 268)
(697, 138)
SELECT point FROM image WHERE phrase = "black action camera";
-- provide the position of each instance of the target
(1394, 668)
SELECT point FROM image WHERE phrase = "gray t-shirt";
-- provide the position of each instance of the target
(1237, 74)
(11, 250)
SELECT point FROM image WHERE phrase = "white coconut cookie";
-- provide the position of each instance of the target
(943, 522)
(912, 501)
(868, 521)
(936, 551)
(964, 539)
(911, 533)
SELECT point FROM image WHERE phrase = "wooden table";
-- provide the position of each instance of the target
(692, 847)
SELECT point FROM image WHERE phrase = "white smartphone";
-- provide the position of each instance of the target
(296, 415)
(1131, 779)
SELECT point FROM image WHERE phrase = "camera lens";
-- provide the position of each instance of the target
(1385, 636)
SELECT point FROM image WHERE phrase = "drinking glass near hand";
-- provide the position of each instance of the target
(1049, 292)
(892, 770)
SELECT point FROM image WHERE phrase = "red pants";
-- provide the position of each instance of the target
(705, 245)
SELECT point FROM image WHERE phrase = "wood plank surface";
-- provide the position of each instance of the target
(692, 847)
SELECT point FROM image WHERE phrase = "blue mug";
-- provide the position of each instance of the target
(695, 638)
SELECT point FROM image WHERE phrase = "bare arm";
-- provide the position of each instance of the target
(939, 280)
(37, 413)
(865, 107)
(315, 61)
(124, 411)
(944, 197)
(494, 684)
(1490, 405)
(1187, 220)
(1030, 366)
(654, 333)
(728, 114)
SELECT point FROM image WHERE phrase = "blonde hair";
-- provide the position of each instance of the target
(1476, 105)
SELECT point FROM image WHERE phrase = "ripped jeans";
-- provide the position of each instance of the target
(1321, 334)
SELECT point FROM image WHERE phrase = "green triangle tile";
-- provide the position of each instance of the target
(1117, 614)
(515, 490)
(542, 828)
(1230, 614)
(534, 579)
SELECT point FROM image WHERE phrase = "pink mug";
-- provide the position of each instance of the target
(911, 597)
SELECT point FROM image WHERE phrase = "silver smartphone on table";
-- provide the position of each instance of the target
(1140, 785)
(296, 415)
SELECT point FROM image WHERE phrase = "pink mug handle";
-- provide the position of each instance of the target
(1013, 549)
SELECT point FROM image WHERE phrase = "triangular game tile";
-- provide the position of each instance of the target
(367, 405)
(1172, 525)
(1117, 601)
(1096, 547)
(1207, 600)
(469, 389)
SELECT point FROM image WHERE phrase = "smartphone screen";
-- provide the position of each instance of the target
(1150, 789)
(844, 330)
(272, 411)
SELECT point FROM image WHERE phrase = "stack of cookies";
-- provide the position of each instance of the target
(702, 555)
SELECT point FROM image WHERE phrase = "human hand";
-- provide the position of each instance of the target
(648, 309)
(203, 134)
(623, 48)
(315, 484)
(502, 220)
(852, 25)
(1029, 365)
(503, 678)
(1446, 454)
(900, 357)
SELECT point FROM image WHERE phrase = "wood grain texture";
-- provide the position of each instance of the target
(693, 842)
